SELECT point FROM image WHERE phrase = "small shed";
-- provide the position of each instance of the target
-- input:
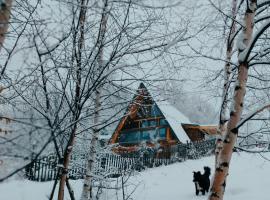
(200, 132)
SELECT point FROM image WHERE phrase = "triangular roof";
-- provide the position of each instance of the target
(173, 116)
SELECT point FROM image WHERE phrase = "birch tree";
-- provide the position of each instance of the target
(245, 45)
(227, 77)
(87, 187)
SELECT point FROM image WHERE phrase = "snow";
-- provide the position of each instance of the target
(246, 51)
(175, 118)
(248, 179)
(241, 46)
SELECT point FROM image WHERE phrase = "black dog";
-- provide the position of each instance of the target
(202, 181)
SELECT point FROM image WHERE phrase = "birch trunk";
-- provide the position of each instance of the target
(222, 168)
(77, 100)
(5, 8)
(87, 187)
(227, 74)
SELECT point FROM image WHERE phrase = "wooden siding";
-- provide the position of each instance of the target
(198, 132)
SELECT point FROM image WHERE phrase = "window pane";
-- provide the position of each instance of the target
(145, 135)
(162, 133)
(153, 133)
(144, 123)
(163, 122)
(130, 137)
(155, 111)
(152, 123)
(149, 134)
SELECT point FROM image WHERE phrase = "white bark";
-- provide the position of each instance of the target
(227, 74)
(224, 157)
(87, 187)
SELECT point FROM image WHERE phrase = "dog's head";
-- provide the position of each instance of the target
(207, 170)
(196, 176)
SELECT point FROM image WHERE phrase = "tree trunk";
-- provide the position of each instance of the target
(87, 187)
(77, 109)
(222, 168)
(4, 19)
(227, 73)
(66, 162)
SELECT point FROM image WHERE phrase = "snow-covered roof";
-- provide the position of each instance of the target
(175, 118)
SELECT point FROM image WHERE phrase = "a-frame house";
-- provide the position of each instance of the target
(154, 123)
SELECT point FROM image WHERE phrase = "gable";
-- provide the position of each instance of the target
(148, 120)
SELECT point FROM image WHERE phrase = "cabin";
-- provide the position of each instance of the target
(153, 123)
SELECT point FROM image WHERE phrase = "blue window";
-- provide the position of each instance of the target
(162, 133)
(152, 123)
(148, 123)
(130, 137)
(144, 123)
(163, 122)
(155, 111)
(150, 134)
(145, 135)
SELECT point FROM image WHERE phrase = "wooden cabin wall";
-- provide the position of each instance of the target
(195, 135)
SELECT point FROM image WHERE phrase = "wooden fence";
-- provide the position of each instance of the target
(110, 164)
(43, 169)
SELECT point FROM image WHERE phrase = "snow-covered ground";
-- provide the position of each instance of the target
(249, 179)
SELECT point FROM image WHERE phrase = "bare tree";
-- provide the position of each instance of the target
(75, 65)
